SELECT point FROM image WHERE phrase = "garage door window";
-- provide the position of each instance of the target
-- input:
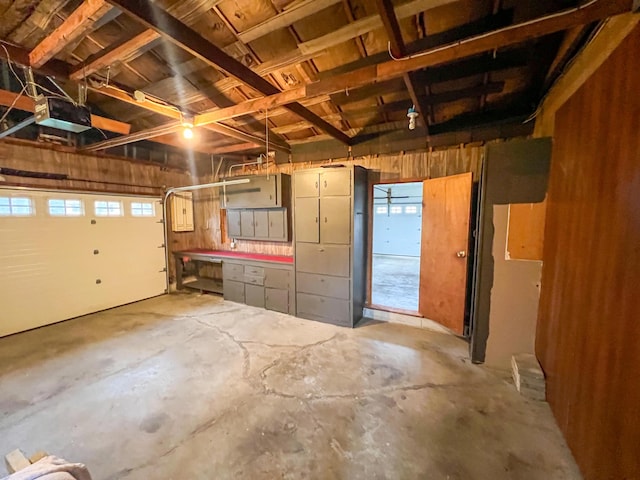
(108, 209)
(16, 207)
(142, 209)
(65, 207)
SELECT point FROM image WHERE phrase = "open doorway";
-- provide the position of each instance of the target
(397, 227)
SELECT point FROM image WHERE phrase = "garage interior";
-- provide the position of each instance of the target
(319, 239)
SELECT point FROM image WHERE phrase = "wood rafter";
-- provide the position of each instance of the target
(398, 47)
(133, 137)
(190, 41)
(122, 51)
(26, 104)
(76, 25)
(507, 36)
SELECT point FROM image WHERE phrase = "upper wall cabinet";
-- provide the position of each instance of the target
(182, 212)
(331, 182)
(261, 192)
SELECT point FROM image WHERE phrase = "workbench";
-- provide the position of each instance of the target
(265, 281)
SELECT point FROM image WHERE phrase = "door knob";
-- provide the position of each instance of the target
(461, 254)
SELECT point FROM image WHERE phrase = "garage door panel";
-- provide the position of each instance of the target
(48, 269)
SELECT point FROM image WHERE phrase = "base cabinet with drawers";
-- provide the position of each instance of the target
(260, 284)
(330, 225)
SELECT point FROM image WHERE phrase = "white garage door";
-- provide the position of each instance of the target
(66, 254)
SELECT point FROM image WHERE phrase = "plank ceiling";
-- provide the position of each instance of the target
(290, 44)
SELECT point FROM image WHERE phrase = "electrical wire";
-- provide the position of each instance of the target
(489, 34)
(15, 100)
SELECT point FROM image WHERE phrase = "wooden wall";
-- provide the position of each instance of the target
(588, 339)
(92, 173)
(417, 165)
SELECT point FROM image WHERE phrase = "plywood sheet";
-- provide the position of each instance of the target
(525, 236)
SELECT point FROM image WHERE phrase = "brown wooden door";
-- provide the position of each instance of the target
(446, 204)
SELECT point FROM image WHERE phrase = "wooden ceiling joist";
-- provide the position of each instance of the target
(398, 47)
(133, 137)
(286, 18)
(76, 25)
(192, 42)
(401, 105)
(26, 104)
(120, 52)
(504, 37)
(238, 147)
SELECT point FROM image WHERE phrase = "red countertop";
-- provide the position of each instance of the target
(259, 257)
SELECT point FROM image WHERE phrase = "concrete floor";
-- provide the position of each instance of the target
(395, 281)
(192, 387)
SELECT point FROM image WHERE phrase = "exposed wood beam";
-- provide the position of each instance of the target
(189, 40)
(288, 17)
(118, 52)
(76, 24)
(239, 147)
(367, 24)
(504, 37)
(401, 105)
(133, 137)
(392, 27)
(26, 104)
(20, 56)
(18, 126)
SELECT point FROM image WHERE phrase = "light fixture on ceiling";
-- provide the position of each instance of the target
(412, 114)
(187, 124)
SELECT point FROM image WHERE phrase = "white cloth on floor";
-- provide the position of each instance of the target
(52, 468)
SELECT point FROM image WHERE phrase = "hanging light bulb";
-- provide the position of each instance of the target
(187, 124)
(412, 114)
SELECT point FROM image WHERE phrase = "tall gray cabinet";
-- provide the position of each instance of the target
(330, 219)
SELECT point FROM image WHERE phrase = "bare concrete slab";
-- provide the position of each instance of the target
(192, 387)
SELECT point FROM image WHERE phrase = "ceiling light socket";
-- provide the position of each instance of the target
(139, 96)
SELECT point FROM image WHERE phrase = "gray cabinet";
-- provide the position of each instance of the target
(261, 223)
(259, 284)
(258, 224)
(330, 220)
(260, 192)
(246, 224)
(307, 227)
(234, 229)
(277, 220)
(335, 220)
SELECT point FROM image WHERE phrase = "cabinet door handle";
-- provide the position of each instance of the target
(325, 219)
(316, 184)
(316, 219)
(321, 249)
(325, 184)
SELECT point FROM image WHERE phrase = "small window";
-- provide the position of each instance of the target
(108, 209)
(381, 210)
(65, 207)
(396, 209)
(142, 209)
(16, 207)
(411, 209)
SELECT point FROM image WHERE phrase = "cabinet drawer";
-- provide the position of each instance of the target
(257, 271)
(277, 299)
(254, 279)
(277, 278)
(254, 295)
(233, 291)
(323, 259)
(336, 287)
(232, 271)
(321, 308)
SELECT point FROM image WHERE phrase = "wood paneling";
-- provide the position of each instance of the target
(418, 165)
(525, 236)
(588, 339)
